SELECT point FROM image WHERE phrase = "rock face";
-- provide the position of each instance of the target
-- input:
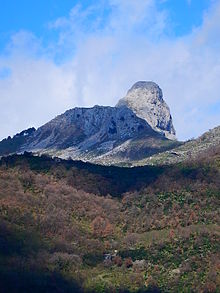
(87, 128)
(145, 99)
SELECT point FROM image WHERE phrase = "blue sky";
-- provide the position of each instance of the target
(62, 54)
(30, 15)
(35, 16)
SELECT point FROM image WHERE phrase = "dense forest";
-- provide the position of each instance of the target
(70, 226)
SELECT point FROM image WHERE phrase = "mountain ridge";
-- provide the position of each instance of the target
(134, 132)
(188, 150)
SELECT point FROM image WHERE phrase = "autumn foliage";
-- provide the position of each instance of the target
(158, 227)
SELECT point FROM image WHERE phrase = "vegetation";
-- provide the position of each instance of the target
(70, 226)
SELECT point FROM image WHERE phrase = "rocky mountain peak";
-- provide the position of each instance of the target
(137, 127)
(145, 99)
(145, 86)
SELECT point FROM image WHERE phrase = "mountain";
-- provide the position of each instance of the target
(137, 131)
(139, 126)
(73, 226)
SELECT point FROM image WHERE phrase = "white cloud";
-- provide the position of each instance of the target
(129, 14)
(109, 54)
(36, 89)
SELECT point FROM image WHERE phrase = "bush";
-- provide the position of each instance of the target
(128, 262)
(117, 261)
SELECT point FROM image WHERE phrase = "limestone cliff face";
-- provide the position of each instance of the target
(145, 99)
(87, 128)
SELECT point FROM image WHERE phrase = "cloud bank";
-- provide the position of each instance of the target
(99, 52)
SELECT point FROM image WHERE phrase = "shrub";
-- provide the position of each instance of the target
(128, 262)
(117, 261)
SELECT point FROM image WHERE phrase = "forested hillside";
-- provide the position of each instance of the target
(69, 226)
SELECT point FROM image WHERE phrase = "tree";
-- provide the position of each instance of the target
(102, 227)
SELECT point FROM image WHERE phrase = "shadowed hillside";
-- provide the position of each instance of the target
(61, 222)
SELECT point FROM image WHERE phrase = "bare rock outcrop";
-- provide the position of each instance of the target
(145, 99)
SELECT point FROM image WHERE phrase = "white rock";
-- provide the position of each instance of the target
(145, 99)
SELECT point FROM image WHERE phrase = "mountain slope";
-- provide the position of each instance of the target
(187, 151)
(88, 132)
(12, 145)
(68, 226)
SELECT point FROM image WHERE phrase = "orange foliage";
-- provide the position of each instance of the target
(102, 227)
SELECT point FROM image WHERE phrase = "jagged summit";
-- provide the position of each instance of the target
(145, 99)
